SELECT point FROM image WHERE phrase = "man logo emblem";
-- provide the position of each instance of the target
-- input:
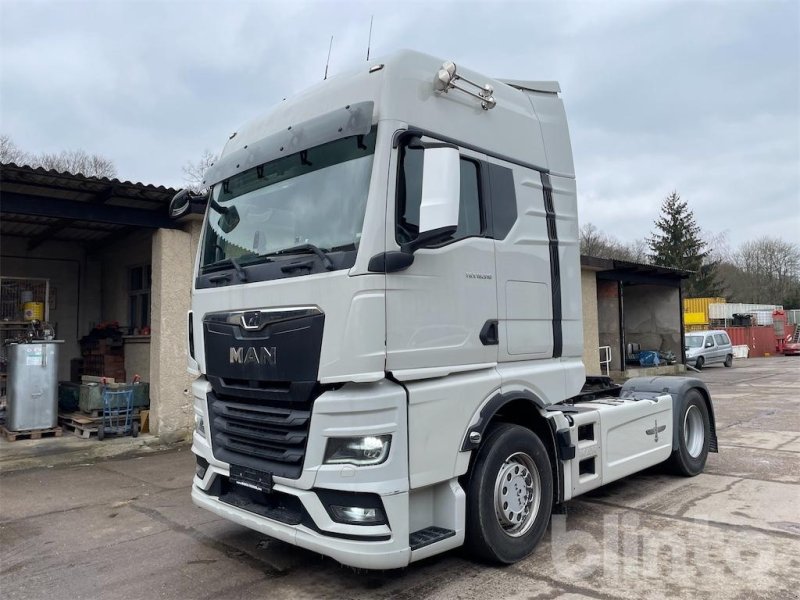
(251, 319)
(655, 430)
(246, 356)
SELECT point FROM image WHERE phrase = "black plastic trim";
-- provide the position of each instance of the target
(502, 199)
(489, 335)
(390, 262)
(566, 450)
(429, 535)
(489, 409)
(555, 266)
(220, 486)
(278, 267)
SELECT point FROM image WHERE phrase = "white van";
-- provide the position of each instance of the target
(708, 347)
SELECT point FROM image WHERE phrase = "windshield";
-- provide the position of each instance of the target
(317, 196)
(694, 341)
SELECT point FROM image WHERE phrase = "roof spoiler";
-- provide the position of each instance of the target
(548, 87)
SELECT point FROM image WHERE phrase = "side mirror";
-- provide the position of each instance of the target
(185, 202)
(180, 204)
(441, 195)
(441, 188)
(229, 217)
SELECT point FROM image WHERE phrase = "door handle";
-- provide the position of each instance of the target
(490, 333)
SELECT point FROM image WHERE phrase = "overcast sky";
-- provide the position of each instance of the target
(701, 97)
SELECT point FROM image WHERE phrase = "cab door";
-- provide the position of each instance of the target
(441, 310)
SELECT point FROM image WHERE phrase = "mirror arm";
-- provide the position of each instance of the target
(428, 238)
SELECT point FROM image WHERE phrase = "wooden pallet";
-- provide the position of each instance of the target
(95, 414)
(82, 431)
(30, 434)
(84, 425)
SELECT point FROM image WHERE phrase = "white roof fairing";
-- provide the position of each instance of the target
(402, 91)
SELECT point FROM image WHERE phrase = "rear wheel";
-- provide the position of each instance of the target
(101, 433)
(509, 495)
(700, 362)
(694, 435)
(728, 360)
(135, 429)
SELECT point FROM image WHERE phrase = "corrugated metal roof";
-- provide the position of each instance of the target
(34, 180)
(37, 182)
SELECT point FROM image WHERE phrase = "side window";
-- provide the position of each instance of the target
(721, 339)
(409, 196)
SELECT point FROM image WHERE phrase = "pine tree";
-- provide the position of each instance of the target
(677, 243)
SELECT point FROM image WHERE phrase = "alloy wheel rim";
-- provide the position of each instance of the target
(693, 431)
(517, 494)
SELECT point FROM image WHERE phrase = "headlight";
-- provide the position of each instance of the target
(199, 424)
(367, 450)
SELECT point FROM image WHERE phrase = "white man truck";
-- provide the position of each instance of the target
(386, 326)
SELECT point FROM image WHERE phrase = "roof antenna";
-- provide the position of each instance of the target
(329, 59)
(369, 41)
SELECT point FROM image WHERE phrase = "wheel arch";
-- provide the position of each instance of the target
(678, 388)
(524, 408)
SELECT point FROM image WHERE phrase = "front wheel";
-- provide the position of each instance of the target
(509, 495)
(699, 363)
(694, 435)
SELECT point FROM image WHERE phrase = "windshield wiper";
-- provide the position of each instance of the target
(234, 262)
(307, 248)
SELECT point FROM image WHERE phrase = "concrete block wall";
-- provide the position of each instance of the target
(608, 320)
(591, 334)
(171, 410)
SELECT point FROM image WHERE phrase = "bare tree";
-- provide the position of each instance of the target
(69, 161)
(10, 152)
(194, 171)
(77, 161)
(771, 268)
(594, 242)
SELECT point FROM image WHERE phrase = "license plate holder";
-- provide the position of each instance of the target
(253, 479)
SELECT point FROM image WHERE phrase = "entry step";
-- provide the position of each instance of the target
(428, 536)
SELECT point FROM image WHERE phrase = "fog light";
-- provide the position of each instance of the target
(199, 424)
(357, 515)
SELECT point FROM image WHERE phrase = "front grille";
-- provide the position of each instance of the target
(259, 433)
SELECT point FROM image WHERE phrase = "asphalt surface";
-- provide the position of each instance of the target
(126, 528)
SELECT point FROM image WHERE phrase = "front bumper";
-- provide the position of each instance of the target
(354, 409)
(382, 554)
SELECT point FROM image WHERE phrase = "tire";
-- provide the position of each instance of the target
(728, 361)
(694, 436)
(507, 453)
(699, 363)
(135, 429)
(101, 433)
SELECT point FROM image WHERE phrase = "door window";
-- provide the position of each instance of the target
(721, 339)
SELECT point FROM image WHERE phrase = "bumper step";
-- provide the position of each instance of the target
(428, 536)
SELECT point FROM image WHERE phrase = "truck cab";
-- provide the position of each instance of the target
(386, 326)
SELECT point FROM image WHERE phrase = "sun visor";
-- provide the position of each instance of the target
(353, 119)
